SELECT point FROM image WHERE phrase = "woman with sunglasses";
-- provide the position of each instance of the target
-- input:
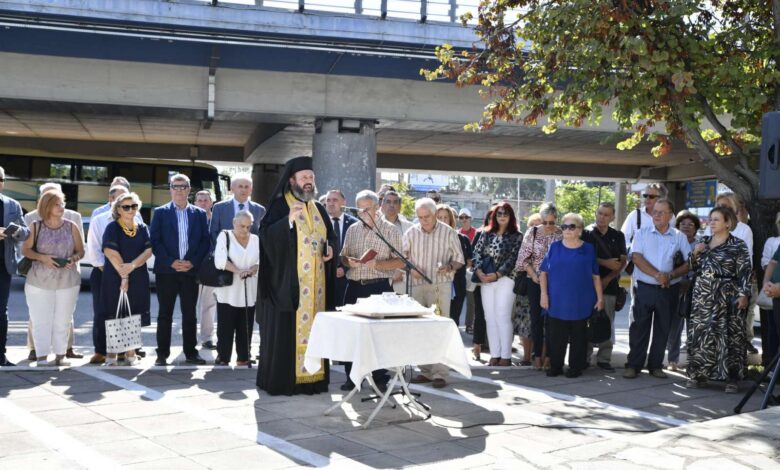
(499, 244)
(127, 246)
(535, 244)
(570, 290)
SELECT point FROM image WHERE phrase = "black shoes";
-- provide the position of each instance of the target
(605, 366)
(554, 372)
(4, 362)
(347, 386)
(140, 352)
(161, 361)
(209, 345)
(572, 373)
(196, 359)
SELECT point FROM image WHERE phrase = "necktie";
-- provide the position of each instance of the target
(240, 206)
(337, 229)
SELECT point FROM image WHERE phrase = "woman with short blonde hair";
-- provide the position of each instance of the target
(52, 287)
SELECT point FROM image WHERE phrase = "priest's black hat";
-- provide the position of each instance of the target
(290, 168)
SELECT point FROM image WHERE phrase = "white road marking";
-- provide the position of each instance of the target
(56, 439)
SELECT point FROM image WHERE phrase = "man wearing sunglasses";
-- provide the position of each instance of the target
(643, 217)
(180, 242)
(95, 256)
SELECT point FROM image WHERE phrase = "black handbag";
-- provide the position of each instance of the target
(487, 265)
(599, 327)
(620, 298)
(686, 301)
(209, 275)
(521, 281)
(26, 263)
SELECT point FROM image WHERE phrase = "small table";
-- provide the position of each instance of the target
(393, 343)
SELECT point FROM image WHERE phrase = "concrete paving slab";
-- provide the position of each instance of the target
(201, 442)
(444, 455)
(137, 409)
(333, 447)
(19, 443)
(176, 423)
(103, 431)
(289, 429)
(249, 457)
(70, 416)
(44, 460)
(134, 451)
(378, 460)
(44, 403)
(388, 438)
(178, 463)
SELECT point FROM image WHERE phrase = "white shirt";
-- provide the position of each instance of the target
(97, 227)
(658, 249)
(242, 258)
(770, 247)
(629, 227)
(741, 231)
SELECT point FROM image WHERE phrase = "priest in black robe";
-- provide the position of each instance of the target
(297, 280)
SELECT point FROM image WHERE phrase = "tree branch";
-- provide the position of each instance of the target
(776, 15)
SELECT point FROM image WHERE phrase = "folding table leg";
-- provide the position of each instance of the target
(382, 402)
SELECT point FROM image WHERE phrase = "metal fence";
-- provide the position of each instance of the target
(419, 10)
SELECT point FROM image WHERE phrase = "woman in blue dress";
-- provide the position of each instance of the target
(127, 246)
(571, 289)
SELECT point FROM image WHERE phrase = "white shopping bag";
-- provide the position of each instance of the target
(123, 334)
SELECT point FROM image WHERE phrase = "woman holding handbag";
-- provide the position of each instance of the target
(127, 246)
(55, 247)
(500, 243)
(237, 251)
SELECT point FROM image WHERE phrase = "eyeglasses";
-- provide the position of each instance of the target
(502, 214)
(659, 213)
(548, 222)
(568, 226)
(463, 217)
(180, 187)
(129, 207)
(650, 196)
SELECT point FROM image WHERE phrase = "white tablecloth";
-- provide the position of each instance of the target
(372, 344)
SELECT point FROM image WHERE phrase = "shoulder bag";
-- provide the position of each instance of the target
(630, 267)
(209, 275)
(599, 327)
(622, 293)
(26, 263)
(521, 281)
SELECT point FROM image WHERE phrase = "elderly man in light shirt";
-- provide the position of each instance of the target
(95, 256)
(435, 249)
(74, 217)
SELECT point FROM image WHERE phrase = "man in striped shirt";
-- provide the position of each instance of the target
(435, 249)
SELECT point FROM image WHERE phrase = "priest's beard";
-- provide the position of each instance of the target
(306, 193)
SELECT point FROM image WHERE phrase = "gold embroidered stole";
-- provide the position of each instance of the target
(312, 235)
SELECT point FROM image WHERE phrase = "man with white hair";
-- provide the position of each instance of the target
(371, 277)
(74, 217)
(435, 249)
(222, 215)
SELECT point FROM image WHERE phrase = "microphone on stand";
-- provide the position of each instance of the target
(353, 210)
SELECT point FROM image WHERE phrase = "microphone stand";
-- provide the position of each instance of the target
(408, 267)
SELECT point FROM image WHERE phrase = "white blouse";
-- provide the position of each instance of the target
(242, 258)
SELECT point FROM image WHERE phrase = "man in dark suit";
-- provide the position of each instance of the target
(334, 203)
(180, 240)
(222, 219)
(11, 212)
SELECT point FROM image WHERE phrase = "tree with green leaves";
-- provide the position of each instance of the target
(584, 199)
(673, 72)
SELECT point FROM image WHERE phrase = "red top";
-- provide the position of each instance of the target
(469, 233)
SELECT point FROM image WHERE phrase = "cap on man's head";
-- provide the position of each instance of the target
(299, 164)
(465, 212)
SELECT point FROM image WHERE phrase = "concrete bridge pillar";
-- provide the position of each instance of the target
(264, 179)
(344, 153)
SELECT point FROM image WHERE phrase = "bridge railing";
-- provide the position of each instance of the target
(419, 10)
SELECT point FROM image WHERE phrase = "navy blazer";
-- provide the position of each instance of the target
(222, 218)
(12, 213)
(164, 233)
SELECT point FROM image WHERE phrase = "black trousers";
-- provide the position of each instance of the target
(571, 333)
(232, 322)
(5, 292)
(538, 321)
(653, 308)
(480, 328)
(98, 320)
(183, 286)
(456, 304)
(356, 290)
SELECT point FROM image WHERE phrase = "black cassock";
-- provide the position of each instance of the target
(278, 289)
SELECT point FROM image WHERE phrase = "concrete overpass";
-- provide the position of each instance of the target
(185, 79)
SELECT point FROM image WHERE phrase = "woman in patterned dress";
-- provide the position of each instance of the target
(521, 317)
(716, 329)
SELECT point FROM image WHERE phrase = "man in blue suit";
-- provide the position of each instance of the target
(11, 212)
(222, 219)
(180, 240)
(334, 205)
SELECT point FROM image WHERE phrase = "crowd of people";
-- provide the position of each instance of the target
(299, 256)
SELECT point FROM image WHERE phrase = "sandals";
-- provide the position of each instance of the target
(476, 351)
(505, 363)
